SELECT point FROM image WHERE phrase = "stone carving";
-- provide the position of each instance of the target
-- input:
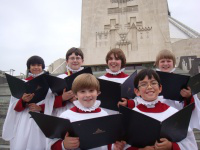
(124, 32)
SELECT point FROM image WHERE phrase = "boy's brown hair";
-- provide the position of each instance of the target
(85, 81)
(118, 53)
(76, 51)
(146, 72)
(165, 54)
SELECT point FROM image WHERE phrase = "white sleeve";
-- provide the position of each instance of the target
(189, 142)
(195, 122)
(49, 102)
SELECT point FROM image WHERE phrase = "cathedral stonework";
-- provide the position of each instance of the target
(139, 27)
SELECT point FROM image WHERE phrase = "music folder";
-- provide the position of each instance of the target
(142, 130)
(57, 84)
(172, 84)
(92, 133)
(112, 92)
(38, 86)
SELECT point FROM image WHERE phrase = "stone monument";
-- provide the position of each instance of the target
(139, 27)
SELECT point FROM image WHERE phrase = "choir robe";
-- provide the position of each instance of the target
(21, 130)
(75, 114)
(60, 106)
(119, 78)
(160, 112)
(194, 121)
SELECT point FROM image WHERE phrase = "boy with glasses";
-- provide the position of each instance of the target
(74, 60)
(147, 88)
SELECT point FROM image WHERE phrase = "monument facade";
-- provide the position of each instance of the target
(139, 27)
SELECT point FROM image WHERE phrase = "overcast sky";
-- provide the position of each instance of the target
(48, 28)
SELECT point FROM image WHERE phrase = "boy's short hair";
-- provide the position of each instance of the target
(146, 72)
(85, 81)
(118, 53)
(76, 51)
(165, 54)
(35, 60)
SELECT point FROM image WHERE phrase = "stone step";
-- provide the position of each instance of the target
(5, 98)
(4, 147)
(3, 142)
(198, 144)
(197, 134)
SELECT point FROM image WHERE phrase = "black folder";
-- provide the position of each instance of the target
(38, 86)
(142, 130)
(92, 132)
(194, 84)
(57, 84)
(173, 83)
(112, 92)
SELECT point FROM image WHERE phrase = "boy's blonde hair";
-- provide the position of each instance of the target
(165, 54)
(85, 81)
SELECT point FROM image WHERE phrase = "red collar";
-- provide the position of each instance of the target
(75, 109)
(159, 107)
(29, 78)
(120, 75)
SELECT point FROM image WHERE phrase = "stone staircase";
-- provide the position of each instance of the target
(5, 97)
(4, 102)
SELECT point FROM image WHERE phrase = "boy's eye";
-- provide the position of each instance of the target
(82, 91)
(91, 90)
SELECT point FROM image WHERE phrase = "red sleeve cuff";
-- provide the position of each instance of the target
(42, 107)
(20, 106)
(188, 101)
(58, 102)
(175, 146)
(132, 148)
(57, 145)
(131, 104)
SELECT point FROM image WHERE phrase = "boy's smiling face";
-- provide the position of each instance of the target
(165, 65)
(114, 64)
(74, 61)
(148, 89)
(87, 97)
(35, 68)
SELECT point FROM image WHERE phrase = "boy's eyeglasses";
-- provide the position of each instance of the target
(153, 84)
(75, 58)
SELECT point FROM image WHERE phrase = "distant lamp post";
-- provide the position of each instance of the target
(22, 75)
(12, 71)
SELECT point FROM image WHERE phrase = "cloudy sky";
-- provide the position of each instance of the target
(48, 28)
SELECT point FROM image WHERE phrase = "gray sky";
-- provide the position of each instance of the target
(48, 28)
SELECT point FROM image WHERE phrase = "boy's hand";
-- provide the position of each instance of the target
(67, 95)
(119, 145)
(71, 142)
(187, 93)
(27, 97)
(123, 103)
(34, 108)
(163, 145)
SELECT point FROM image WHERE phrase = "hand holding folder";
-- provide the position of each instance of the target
(133, 127)
(91, 132)
(142, 130)
(38, 86)
(172, 84)
(112, 92)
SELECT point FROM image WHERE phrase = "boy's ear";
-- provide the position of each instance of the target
(136, 91)
(160, 89)
(98, 93)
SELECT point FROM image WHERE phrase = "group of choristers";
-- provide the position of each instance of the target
(80, 103)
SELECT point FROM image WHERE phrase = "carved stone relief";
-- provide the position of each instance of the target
(122, 33)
